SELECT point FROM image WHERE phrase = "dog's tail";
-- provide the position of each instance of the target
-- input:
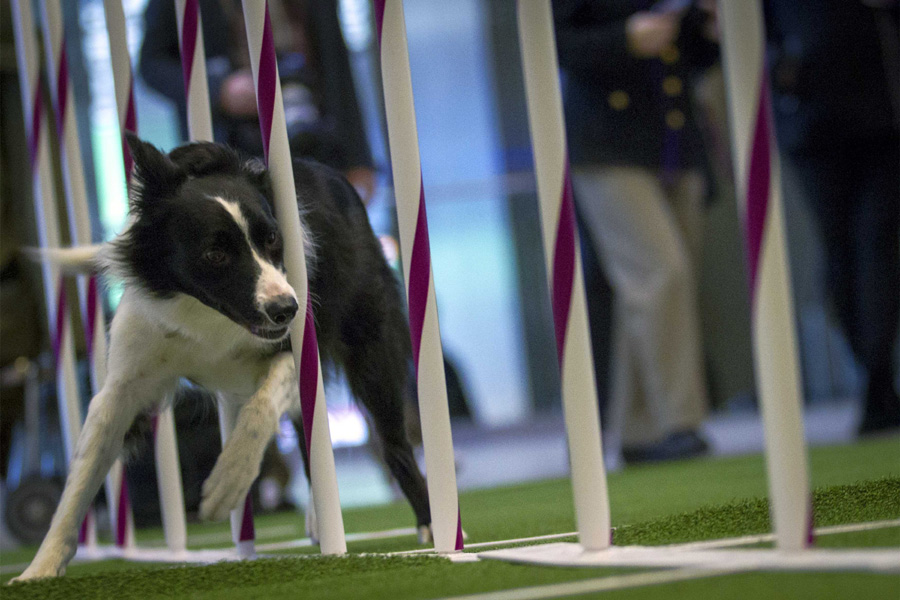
(78, 260)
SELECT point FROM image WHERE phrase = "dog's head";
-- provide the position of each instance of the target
(201, 224)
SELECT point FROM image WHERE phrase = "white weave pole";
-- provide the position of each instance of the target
(323, 478)
(171, 496)
(424, 330)
(44, 196)
(200, 129)
(76, 200)
(758, 181)
(563, 257)
(168, 473)
(193, 65)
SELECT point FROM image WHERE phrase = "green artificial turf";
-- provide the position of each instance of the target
(875, 538)
(686, 501)
(867, 501)
(770, 586)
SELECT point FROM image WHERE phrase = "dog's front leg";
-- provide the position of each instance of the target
(109, 416)
(238, 465)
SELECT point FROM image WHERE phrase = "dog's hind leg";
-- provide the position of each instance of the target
(398, 455)
(238, 465)
(377, 374)
(109, 416)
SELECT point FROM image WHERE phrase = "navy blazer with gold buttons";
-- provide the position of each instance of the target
(621, 109)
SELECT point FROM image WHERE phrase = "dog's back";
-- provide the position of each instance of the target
(359, 315)
(353, 290)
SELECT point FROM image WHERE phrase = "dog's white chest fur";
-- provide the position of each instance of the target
(182, 337)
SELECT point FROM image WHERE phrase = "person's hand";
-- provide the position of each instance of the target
(648, 32)
(238, 96)
(363, 179)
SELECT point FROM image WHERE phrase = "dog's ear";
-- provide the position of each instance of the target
(257, 172)
(204, 158)
(258, 175)
(155, 175)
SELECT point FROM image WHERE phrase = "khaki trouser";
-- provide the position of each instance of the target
(648, 239)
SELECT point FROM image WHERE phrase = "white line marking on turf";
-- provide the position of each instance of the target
(224, 537)
(156, 551)
(537, 538)
(602, 584)
(770, 537)
(702, 545)
(273, 531)
(156, 555)
(276, 531)
(617, 582)
(854, 527)
(350, 537)
(567, 554)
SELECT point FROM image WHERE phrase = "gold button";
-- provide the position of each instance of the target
(618, 100)
(675, 119)
(672, 85)
(669, 54)
(22, 365)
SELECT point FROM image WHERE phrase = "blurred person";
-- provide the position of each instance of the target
(835, 78)
(637, 176)
(321, 108)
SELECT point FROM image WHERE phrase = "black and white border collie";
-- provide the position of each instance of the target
(206, 299)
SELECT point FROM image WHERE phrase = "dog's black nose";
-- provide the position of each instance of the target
(282, 309)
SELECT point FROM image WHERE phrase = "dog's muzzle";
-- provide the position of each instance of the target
(279, 313)
(281, 310)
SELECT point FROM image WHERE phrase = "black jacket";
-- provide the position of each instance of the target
(337, 139)
(621, 109)
(829, 74)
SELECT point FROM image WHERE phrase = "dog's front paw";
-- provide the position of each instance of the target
(228, 484)
(37, 571)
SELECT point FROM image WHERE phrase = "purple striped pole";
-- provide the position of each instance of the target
(44, 195)
(200, 129)
(193, 66)
(73, 179)
(168, 471)
(116, 483)
(758, 180)
(573, 346)
(323, 478)
(76, 204)
(424, 330)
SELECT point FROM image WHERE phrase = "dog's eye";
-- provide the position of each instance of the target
(272, 238)
(215, 256)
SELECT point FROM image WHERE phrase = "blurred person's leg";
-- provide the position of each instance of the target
(649, 268)
(626, 399)
(688, 196)
(600, 318)
(688, 193)
(853, 190)
(876, 286)
(828, 187)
